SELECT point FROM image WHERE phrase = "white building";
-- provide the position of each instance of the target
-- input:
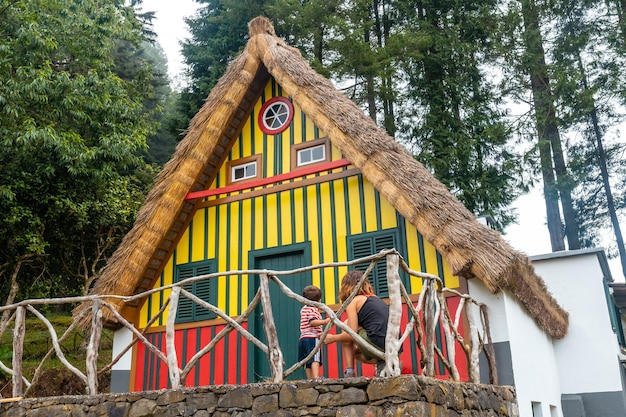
(580, 375)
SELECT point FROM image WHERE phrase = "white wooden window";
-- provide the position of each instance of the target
(243, 171)
(311, 155)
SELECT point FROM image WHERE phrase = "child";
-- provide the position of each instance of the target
(367, 316)
(311, 323)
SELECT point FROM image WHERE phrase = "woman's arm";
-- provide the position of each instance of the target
(352, 322)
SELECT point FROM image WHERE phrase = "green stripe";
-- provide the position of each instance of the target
(146, 366)
(157, 370)
(278, 166)
(440, 365)
(420, 244)
(291, 132)
(183, 356)
(252, 223)
(413, 345)
(150, 308)
(362, 200)
(264, 199)
(190, 240)
(379, 216)
(241, 362)
(206, 233)
(303, 127)
(279, 222)
(161, 295)
(440, 268)
(252, 125)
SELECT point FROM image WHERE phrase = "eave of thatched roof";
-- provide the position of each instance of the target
(471, 249)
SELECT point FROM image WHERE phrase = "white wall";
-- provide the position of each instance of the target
(532, 355)
(587, 356)
(121, 339)
(534, 363)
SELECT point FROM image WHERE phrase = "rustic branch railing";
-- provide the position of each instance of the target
(431, 305)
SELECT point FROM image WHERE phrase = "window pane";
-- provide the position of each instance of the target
(250, 170)
(239, 173)
(318, 153)
(304, 157)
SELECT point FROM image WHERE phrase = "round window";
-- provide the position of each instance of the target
(275, 115)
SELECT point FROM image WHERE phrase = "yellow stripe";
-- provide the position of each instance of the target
(413, 256)
(221, 258)
(197, 250)
(182, 250)
(235, 239)
(430, 254)
(272, 220)
(387, 214)
(299, 214)
(258, 218)
(370, 207)
(211, 249)
(285, 220)
(355, 206)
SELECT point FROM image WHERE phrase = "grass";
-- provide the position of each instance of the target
(38, 341)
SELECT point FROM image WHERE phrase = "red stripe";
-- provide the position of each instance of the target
(139, 366)
(271, 180)
(218, 359)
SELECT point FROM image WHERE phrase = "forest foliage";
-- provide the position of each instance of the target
(493, 96)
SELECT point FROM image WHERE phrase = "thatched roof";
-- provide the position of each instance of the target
(471, 249)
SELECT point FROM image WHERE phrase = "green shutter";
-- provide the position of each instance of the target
(206, 290)
(360, 246)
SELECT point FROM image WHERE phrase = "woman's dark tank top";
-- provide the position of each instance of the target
(373, 317)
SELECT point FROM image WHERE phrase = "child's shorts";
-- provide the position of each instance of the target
(306, 345)
(360, 354)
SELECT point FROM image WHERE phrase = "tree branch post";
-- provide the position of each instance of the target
(18, 350)
(275, 354)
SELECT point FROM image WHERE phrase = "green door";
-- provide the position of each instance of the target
(286, 310)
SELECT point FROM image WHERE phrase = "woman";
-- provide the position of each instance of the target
(367, 316)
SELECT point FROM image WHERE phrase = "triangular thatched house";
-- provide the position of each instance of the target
(279, 168)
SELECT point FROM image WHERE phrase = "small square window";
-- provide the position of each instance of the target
(243, 169)
(310, 153)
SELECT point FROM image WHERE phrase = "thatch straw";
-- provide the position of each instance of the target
(470, 249)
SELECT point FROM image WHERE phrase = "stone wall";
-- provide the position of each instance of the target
(406, 395)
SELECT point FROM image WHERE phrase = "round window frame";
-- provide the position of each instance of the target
(266, 107)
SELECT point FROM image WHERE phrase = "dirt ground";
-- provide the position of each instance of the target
(54, 382)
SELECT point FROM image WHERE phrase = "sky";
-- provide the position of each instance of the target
(529, 235)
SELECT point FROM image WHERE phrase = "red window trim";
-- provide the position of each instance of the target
(261, 117)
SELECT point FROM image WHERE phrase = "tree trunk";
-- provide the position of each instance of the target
(547, 130)
(610, 203)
